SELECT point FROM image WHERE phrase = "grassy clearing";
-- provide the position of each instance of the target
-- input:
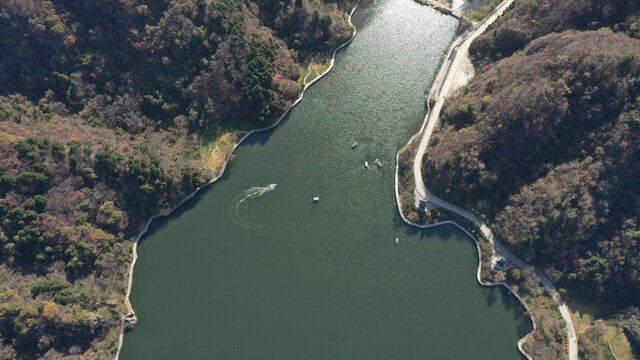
(217, 144)
(304, 70)
(602, 339)
(312, 72)
(6, 138)
(622, 349)
(600, 330)
(584, 312)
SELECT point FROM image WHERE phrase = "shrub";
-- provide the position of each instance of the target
(49, 311)
(35, 182)
(48, 287)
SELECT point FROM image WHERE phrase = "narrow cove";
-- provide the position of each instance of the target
(235, 274)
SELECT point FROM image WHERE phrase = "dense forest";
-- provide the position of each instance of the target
(544, 142)
(102, 108)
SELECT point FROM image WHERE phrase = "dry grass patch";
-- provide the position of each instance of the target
(216, 154)
(312, 71)
(6, 138)
(621, 348)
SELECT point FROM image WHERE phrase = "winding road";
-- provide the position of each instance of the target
(442, 87)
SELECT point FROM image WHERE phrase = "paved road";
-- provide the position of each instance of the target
(442, 87)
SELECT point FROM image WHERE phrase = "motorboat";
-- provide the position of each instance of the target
(353, 146)
(366, 164)
(271, 186)
(316, 199)
(396, 241)
(377, 162)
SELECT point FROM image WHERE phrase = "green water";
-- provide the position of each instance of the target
(238, 276)
(466, 5)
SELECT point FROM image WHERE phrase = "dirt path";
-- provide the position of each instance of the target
(452, 75)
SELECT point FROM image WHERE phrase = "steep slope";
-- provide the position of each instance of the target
(530, 19)
(545, 143)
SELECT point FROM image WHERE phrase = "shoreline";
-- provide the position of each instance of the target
(131, 315)
(479, 251)
(442, 7)
(433, 95)
(444, 82)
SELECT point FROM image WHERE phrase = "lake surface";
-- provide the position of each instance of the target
(244, 273)
(466, 5)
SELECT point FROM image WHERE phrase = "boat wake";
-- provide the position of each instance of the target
(241, 204)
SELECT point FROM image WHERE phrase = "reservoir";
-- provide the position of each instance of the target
(241, 272)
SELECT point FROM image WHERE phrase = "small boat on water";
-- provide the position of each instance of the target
(316, 199)
(271, 186)
(396, 241)
(353, 146)
(377, 162)
(366, 164)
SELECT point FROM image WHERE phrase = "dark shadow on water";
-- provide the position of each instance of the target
(520, 315)
(160, 223)
(492, 297)
(447, 232)
(262, 137)
(509, 301)
(444, 232)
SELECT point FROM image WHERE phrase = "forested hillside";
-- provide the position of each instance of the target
(103, 107)
(528, 20)
(545, 142)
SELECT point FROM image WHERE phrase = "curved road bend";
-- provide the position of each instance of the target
(450, 70)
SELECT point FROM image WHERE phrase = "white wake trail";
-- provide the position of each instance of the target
(242, 202)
